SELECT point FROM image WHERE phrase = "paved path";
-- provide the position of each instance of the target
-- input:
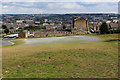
(54, 40)
(5, 42)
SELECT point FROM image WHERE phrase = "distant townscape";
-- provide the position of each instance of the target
(69, 39)
(45, 25)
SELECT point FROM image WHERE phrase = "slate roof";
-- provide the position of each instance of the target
(113, 26)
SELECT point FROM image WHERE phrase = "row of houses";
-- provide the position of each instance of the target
(111, 25)
(79, 26)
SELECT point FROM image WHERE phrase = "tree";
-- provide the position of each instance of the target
(34, 28)
(11, 28)
(104, 28)
(4, 26)
(42, 27)
(6, 31)
(64, 27)
(20, 28)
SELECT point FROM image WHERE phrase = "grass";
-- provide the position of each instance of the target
(70, 60)
(18, 42)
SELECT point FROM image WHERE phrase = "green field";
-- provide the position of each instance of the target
(70, 60)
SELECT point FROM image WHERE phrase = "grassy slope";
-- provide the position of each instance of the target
(92, 60)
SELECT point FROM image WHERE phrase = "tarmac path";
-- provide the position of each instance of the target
(53, 40)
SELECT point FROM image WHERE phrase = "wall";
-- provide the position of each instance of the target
(21, 35)
(56, 33)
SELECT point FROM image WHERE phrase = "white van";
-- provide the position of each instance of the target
(11, 36)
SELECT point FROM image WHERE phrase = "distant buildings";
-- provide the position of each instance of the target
(113, 26)
(45, 24)
(45, 20)
(95, 26)
(64, 24)
(15, 25)
(19, 21)
(97, 18)
(25, 21)
(12, 30)
(29, 22)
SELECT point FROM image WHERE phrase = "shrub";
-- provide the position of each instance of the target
(115, 31)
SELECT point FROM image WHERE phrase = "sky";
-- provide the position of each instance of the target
(44, 7)
(59, 0)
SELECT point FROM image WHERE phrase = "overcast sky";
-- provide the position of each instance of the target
(32, 7)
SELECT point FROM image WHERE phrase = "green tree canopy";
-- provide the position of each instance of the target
(11, 28)
(104, 28)
(34, 28)
(4, 26)
(64, 27)
(6, 31)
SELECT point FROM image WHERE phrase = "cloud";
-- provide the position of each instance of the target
(72, 6)
(102, 8)
(21, 4)
(21, 10)
(4, 6)
(62, 8)
(60, 0)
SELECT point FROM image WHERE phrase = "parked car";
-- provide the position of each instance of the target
(31, 35)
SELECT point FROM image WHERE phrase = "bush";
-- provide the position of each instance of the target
(115, 31)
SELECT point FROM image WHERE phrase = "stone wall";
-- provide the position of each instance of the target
(52, 33)
(57, 33)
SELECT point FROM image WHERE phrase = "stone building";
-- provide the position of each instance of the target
(80, 24)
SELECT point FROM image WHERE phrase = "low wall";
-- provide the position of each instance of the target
(56, 33)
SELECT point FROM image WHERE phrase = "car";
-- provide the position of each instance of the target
(31, 35)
